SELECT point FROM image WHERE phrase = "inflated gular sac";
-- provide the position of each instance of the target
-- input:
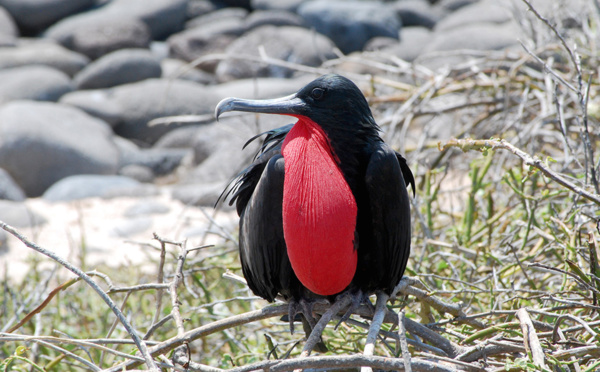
(319, 211)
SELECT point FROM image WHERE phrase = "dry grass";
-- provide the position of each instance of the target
(504, 273)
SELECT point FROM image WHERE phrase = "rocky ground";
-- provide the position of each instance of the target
(86, 154)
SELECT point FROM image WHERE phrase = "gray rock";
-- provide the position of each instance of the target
(17, 214)
(159, 49)
(207, 37)
(88, 186)
(137, 172)
(100, 38)
(154, 98)
(223, 142)
(292, 44)
(138, 103)
(236, 3)
(180, 138)
(8, 29)
(218, 17)
(7, 40)
(379, 43)
(126, 148)
(273, 18)
(194, 138)
(477, 36)
(192, 45)
(453, 5)
(95, 103)
(177, 69)
(261, 88)
(9, 189)
(161, 161)
(287, 5)
(39, 83)
(483, 12)
(145, 208)
(41, 143)
(33, 16)
(207, 143)
(412, 43)
(204, 194)
(198, 8)
(120, 67)
(43, 53)
(162, 17)
(418, 13)
(350, 24)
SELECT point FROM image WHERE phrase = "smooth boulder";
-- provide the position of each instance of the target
(9, 190)
(41, 143)
(87, 186)
(33, 16)
(38, 83)
(117, 68)
(8, 29)
(43, 53)
(292, 44)
(131, 107)
(350, 24)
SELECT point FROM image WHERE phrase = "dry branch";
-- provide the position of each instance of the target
(139, 343)
(530, 339)
(493, 144)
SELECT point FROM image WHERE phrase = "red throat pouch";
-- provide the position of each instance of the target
(319, 211)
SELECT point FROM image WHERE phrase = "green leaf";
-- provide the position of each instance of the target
(577, 271)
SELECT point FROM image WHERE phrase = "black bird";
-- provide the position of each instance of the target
(324, 207)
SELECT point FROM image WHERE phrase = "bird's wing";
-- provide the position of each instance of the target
(258, 195)
(263, 252)
(386, 182)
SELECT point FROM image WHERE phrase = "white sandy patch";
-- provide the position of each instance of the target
(107, 233)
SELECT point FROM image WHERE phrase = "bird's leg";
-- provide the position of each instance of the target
(380, 310)
(304, 307)
(293, 307)
(357, 299)
(340, 303)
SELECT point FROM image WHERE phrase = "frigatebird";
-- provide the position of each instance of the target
(324, 208)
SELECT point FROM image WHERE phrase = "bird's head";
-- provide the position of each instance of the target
(332, 101)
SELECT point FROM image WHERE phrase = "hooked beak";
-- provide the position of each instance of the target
(288, 105)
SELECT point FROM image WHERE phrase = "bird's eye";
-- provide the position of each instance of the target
(317, 93)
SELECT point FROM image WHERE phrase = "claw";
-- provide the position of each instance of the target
(357, 299)
(292, 312)
(315, 336)
(305, 309)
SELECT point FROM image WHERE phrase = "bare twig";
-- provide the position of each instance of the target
(217, 326)
(406, 287)
(140, 287)
(530, 339)
(341, 303)
(139, 343)
(403, 343)
(341, 361)
(493, 144)
(380, 309)
(159, 293)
